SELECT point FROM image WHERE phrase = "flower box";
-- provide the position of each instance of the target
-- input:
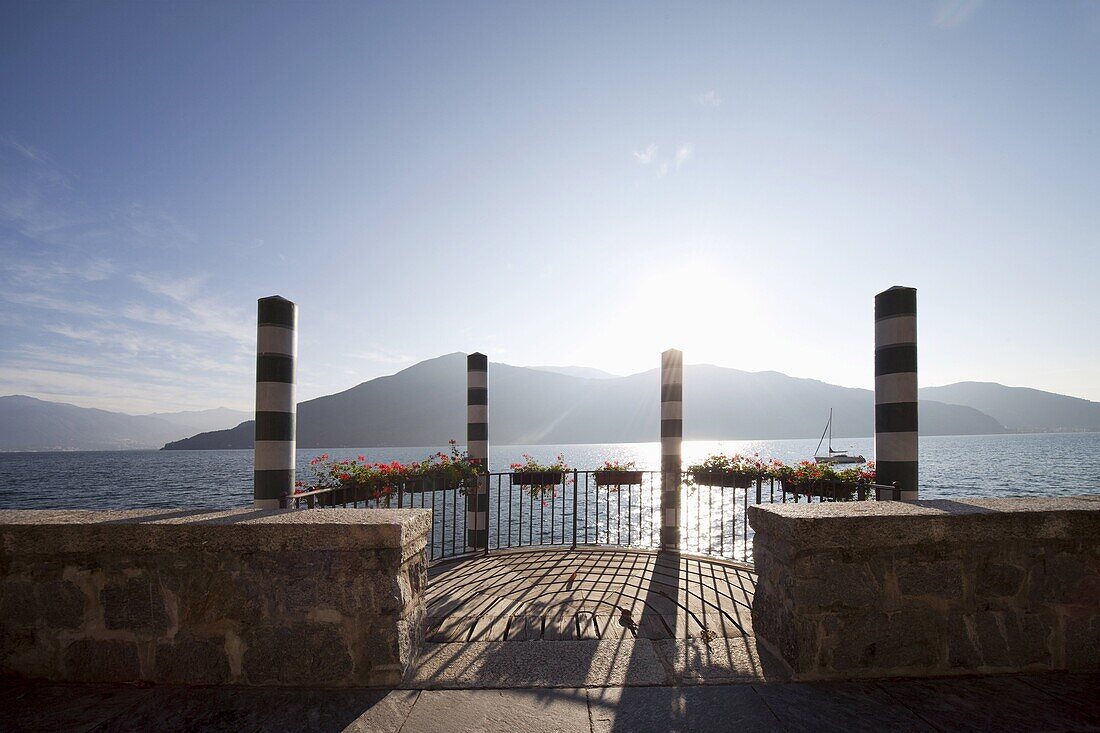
(537, 478)
(794, 486)
(837, 490)
(618, 478)
(723, 479)
(353, 494)
(823, 488)
(421, 484)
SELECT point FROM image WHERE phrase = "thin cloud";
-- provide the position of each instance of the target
(27, 150)
(192, 310)
(645, 157)
(85, 323)
(93, 270)
(682, 154)
(955, 13)
(709, 99)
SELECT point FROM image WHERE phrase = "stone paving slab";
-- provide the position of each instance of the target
(721, 661)
(69, 708)
(1027, 703)
(680, 710)
(502, 664)
(828, 707)
(106, 709)
(993, 703)
(500, 711)
(608, 662)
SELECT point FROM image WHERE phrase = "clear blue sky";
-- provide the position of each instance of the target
(548, 183)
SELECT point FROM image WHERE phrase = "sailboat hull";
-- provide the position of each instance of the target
(840, 459)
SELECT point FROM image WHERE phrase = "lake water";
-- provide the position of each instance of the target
(951, 467)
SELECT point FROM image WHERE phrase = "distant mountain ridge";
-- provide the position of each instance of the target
(425, 404)
(577, 371)
(1022, 409)
(202, 420)
(30, 424)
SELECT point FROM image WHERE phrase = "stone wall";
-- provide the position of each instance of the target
(874, 589)
(247, 597)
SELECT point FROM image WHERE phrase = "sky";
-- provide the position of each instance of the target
(548, 183)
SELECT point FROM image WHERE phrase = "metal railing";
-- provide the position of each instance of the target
(594, 508)
(581, 508)
(447, 502)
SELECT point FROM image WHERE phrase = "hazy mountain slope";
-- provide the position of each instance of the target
(200, 420)
(27, 423)
(1021, 408)
(577, 371)
(426, 405)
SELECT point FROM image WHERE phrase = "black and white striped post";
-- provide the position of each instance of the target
(477, 444)
(276, 351)
(672, 435)
(896, 390)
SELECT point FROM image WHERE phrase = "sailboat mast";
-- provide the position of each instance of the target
(830, 431)
(828, 427)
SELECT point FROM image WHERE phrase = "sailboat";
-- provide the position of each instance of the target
(833, 456)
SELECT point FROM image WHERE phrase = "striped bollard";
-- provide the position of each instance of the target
(276, 351)
(477, 444)
(672, 434)
(896, 389)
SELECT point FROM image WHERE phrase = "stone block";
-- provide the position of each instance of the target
(999, 640)
(897, 641)
(136, 604)
(998, 579)
(774, 624)
(827, 584)
(209, 594)
(1082, 636)
(1065, 577)
(17, 604)
(192, 662)
(941, 579)
(92, 660)
(56, 604)
(389, 591)
(305, 654)
(61, 604)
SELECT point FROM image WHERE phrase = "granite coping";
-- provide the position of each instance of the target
(54, 531)
(895, 523)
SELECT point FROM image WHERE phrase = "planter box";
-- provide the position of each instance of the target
(423, 484)
(338, 497)
(618, 478)
(723, 479)
(536, 478)
(824, 488)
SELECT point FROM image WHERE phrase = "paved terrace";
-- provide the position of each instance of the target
(578, 618)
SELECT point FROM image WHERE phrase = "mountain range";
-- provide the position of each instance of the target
(425, 405)
(29, 424)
